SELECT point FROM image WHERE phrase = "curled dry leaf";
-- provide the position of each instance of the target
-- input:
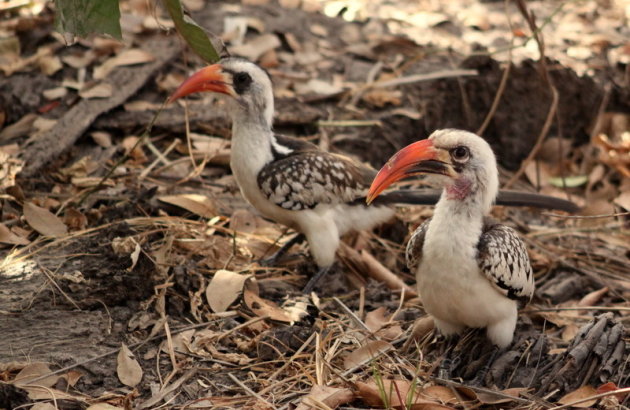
(581, 393)
(128, 370)
(99, 90)
(257, 47)
(43, 221)
(7, 236)
(198, 204)
(378, 321)
(224, 289)
(592, 298)
(128, 57)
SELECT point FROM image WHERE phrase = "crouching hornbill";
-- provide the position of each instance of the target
(291, 181)
(470, 271)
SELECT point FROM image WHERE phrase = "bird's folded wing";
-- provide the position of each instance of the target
(502, 257)
(413, 255)
(310, 178)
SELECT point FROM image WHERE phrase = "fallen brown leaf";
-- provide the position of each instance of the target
(128, 370)
(43, 221)
(224, 288)
(332, 397)
(366, 353)
(579, 394)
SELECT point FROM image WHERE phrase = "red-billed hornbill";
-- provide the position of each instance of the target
(470, 271)
(317, 193)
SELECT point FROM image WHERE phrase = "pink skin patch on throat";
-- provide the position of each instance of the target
(459, 189)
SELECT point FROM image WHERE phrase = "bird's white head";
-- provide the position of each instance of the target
(248, 85)
(465, 158)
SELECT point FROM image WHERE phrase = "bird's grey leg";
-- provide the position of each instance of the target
(449, 363)
(313, 281)
(273, 259)
(480, 379)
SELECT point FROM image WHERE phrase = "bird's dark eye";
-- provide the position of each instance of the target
(460, 153)
(241, 81)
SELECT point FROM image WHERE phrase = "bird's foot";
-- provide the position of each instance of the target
(447, 367)
(273, 259)
(480, 378)
(450, 361)
(315, 279)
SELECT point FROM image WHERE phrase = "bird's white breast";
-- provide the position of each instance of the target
(450, 283)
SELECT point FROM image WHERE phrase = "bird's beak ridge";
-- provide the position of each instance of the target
(211, 78)
(419, 157)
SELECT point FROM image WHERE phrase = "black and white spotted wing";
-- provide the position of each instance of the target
(503, 258)
(310, 178)
(413, 254)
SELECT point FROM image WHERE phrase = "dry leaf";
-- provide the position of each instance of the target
(262, 307)
(440, 394)
(198, 204)
(569, 332)
(623, 200)
(332, 397)
(9, 168)
(224, 288)
(6, 236)
(102, 138)
(104, 406)
(134, 255)
(579, 394)
(366, 353)
(128, 370)
(74, 219)
(98, 90)
(128, 57)
(40, 389)
(55, 93)
(592, 298)
(43, 221)
(257, 47)
(34, 371)
(43, 406)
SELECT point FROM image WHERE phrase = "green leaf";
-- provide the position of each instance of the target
(569, 182)
(194, 35)
(84, 17)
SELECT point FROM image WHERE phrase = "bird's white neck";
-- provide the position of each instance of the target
(458, 217)
(251, 145)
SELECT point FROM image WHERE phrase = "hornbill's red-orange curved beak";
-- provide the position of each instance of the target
(211, 78)
(417, 158)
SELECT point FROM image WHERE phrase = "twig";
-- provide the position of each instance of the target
(416, 78)
(169, 389)
(585, 216)
(602, 308)
(352, 315)
(504, 78)
(288, 362)
(554, 92)
(250, 391)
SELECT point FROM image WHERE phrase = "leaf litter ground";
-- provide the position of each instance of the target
(149, 292)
